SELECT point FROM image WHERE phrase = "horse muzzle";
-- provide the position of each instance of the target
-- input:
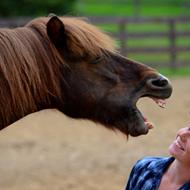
(157, 88)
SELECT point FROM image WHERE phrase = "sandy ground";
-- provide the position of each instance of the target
(49, 151)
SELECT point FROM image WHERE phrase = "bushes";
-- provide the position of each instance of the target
(11, 8)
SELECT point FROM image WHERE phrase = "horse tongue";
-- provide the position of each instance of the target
(160, 102)
(149, 125)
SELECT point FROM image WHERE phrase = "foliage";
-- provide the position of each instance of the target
(10, 8)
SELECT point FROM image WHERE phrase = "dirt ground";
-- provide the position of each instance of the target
(49, 151)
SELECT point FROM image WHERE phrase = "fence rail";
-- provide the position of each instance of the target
(123, 35)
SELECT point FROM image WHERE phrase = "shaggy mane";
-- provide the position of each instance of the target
(82, 35)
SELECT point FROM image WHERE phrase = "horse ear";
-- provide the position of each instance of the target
(56, 31)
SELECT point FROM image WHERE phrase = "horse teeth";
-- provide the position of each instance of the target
(160, 102)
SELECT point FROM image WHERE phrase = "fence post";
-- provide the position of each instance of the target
(172, 38)
(122, 36)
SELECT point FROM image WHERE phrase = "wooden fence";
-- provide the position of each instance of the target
(172, 34)
(123, 35)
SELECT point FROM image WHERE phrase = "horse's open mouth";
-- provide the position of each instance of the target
(161, 103)
(140, 124)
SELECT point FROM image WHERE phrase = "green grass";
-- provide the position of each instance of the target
(160, 11)
(183, 26)
(140, 27)
(156, 42)
(150, 58)
(160, 58)
(179, 72)
(148, 42)
(185, 41)
(146, 27)
(184, 56)
(104, 9)
(127, 9)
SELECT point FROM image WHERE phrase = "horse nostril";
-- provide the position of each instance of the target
(160, 82)
(159, 87)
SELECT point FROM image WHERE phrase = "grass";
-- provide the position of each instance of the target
(104, 9)
(150, 58)
(146, 27)
(179, 72)
(159, 58)
(128, 9)
(148, 42)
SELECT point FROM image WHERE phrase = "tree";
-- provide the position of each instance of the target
(11, 8)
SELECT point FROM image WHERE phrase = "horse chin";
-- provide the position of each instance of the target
(137, 126)
(133, 123)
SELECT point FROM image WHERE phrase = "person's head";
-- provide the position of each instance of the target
(180, 147)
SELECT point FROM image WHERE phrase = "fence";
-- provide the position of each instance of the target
(172, 34)
(123, 35)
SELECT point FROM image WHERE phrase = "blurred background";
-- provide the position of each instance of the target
(49, 151)
(153, 32)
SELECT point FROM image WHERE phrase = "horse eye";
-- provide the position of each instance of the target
(96, 60)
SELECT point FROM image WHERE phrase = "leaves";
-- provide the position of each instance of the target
(11, 8)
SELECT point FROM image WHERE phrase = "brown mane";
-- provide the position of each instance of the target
(28, 80)
(82, 36)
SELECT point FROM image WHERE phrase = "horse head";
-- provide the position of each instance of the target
(69, 64)
(101, 85)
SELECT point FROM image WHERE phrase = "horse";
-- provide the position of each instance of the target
(68, 64)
